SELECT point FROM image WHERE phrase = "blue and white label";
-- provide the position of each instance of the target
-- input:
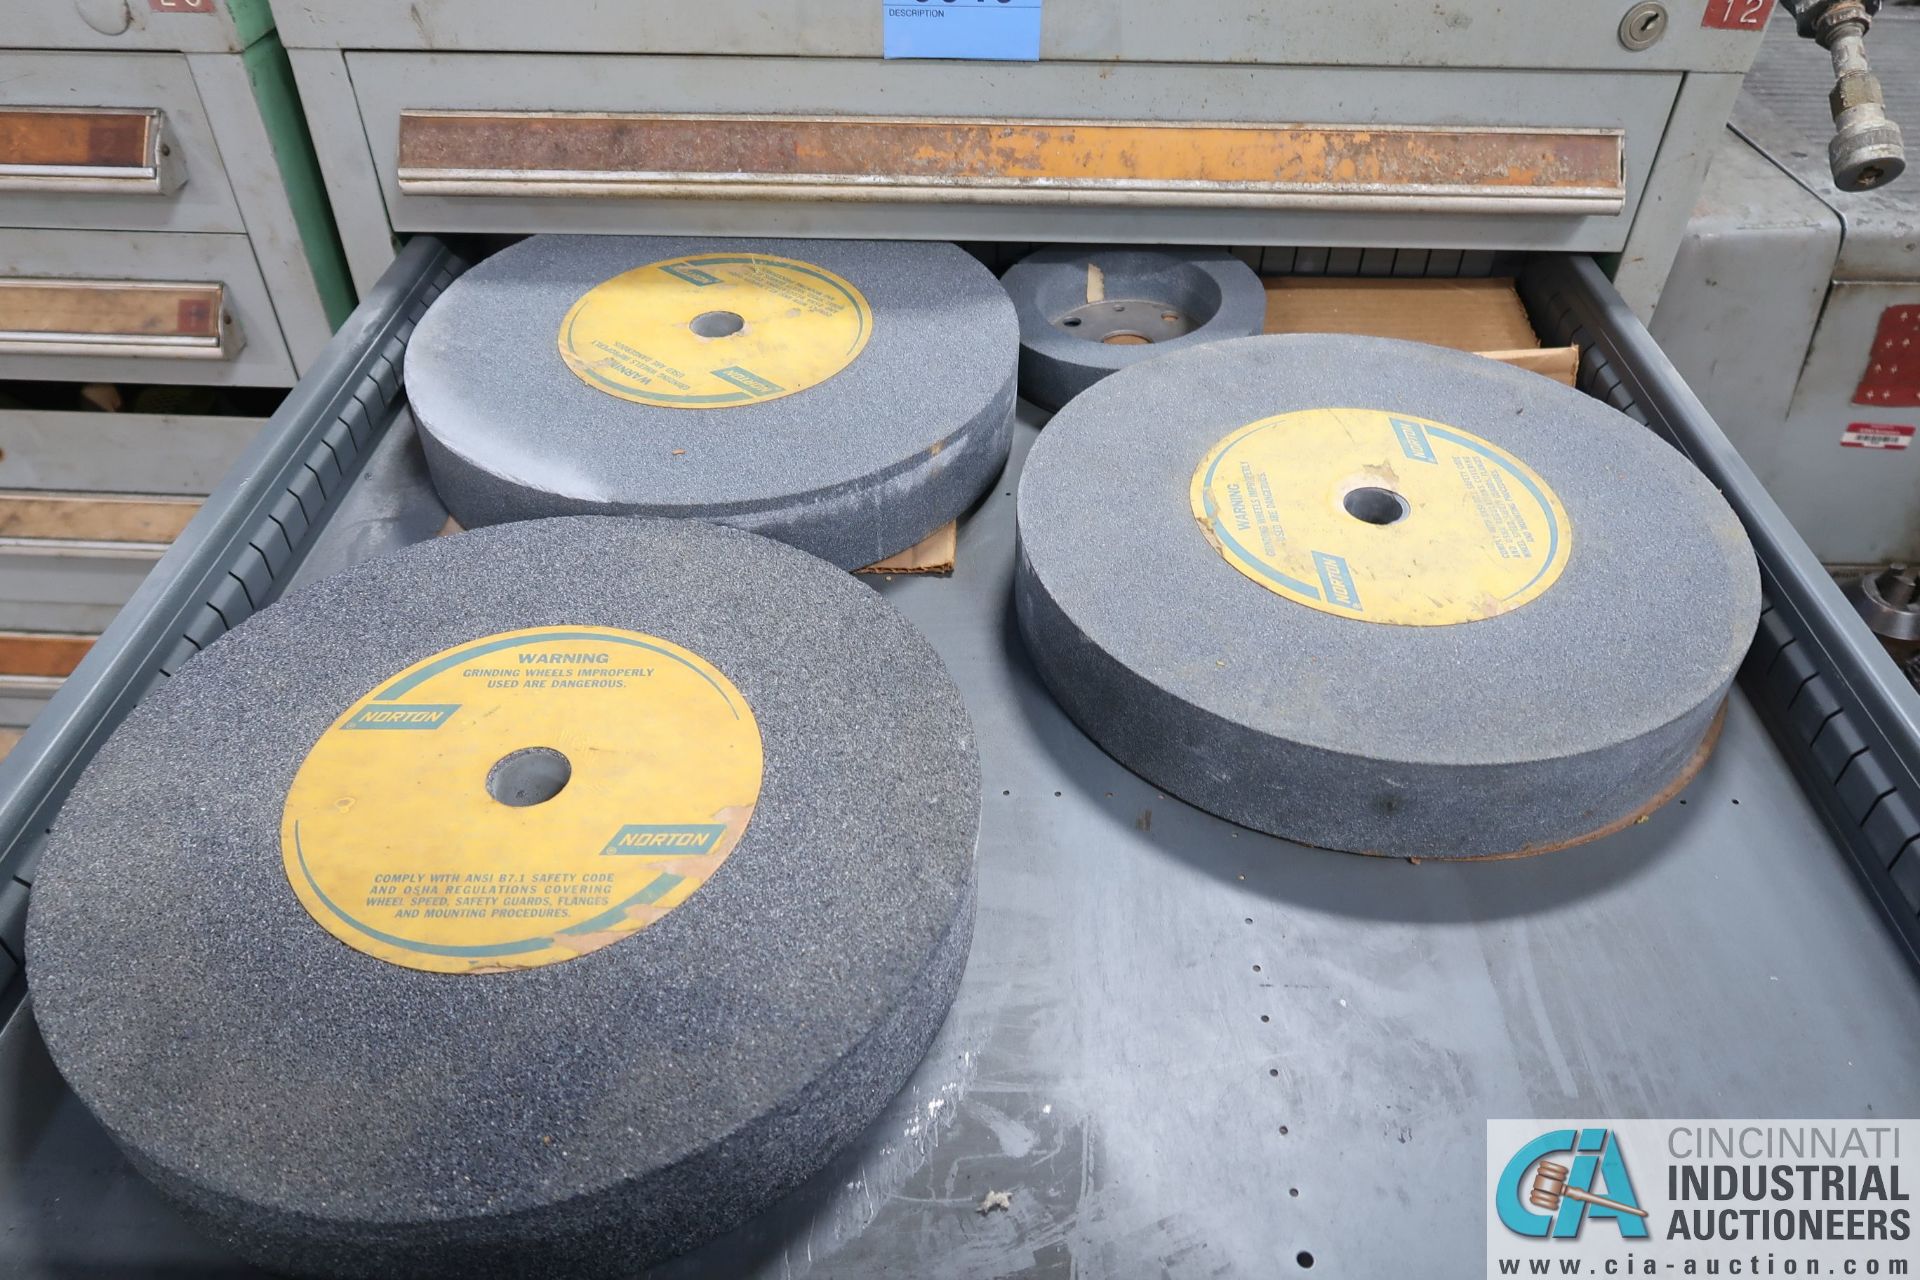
(979, 30)
(1413, 440)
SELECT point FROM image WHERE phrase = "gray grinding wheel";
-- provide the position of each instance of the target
(1086, 312)
(643, 1082)
(846, 397)
(1381, 597)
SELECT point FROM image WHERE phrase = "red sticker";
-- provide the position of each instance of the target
(194, 316)
(1876, 435)
(1737, 15)
(182, 6)
(1893, 370)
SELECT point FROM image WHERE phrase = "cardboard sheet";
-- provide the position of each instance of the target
(1482, 316)
(935, 554)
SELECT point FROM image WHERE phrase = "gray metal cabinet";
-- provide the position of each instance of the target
(162, 224)
(1467, 126)
(180, 127)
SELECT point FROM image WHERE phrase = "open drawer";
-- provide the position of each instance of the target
(1061, 151)
(1167, 1024)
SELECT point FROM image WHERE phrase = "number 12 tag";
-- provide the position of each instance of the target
(1738, 15)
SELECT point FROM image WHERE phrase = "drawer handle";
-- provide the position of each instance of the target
(105, 152)
(117, 318)
(853, 158)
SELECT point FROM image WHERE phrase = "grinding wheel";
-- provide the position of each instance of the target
(846, 397)
(541, 900)
(1381, 597)
(1088, 312)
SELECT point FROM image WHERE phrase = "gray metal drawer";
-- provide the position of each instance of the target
(1165, 1022)
(73, 152)
(1464, 33)
(165, 453)
(69, 586)
(526, 142)
(138, 307)
(195, 26)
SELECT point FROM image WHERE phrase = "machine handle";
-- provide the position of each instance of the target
(1867, 151)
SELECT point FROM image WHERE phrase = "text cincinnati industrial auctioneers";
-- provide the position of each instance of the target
(1728, 1183)
(1702, 1197)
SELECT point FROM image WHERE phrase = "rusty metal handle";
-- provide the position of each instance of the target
(62, 317)
(87, 151)
(1407, 169)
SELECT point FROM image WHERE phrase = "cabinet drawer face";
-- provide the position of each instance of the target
(108, 140)
(127, 452)
(1375, 33)
(86, 151)
(1263, 154)
(117, 317)
(114, 306)
(994, 161)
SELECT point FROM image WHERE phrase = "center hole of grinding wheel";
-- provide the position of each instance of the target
(529, 776)
(717, 324)
(1376, 505)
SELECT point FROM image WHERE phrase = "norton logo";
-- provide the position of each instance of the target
(646, 840)
(692, 275)
(1587, 1178)
(751, 383)
(401, 715)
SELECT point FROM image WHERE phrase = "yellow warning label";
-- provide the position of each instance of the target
(1381, 516)
(715, 331)
(522, 799)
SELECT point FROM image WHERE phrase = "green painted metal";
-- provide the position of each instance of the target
(251, 20)
(271, 76)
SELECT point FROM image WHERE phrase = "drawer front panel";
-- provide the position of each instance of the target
(1369, 33)
(108, 140)
(128, 452)
(520, 143)
(113, 306)
(990, 161)
(90, 152)
(117, 317)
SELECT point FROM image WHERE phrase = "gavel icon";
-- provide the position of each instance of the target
(1550, 1187)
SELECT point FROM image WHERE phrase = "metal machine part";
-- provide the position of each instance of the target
(1889, 599)
(1866, 151)
(1789, 303)
(1126, 322)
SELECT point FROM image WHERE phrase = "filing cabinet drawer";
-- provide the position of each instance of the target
(716, 145)
(113, 306)
(108, 141)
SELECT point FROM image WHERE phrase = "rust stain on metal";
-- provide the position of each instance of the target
(1207, 156)
(107, 308)
(51, 138)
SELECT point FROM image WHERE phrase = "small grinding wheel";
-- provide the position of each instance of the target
(846, 397)
(541, 900)
(1089, 312)
(1381, 597)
